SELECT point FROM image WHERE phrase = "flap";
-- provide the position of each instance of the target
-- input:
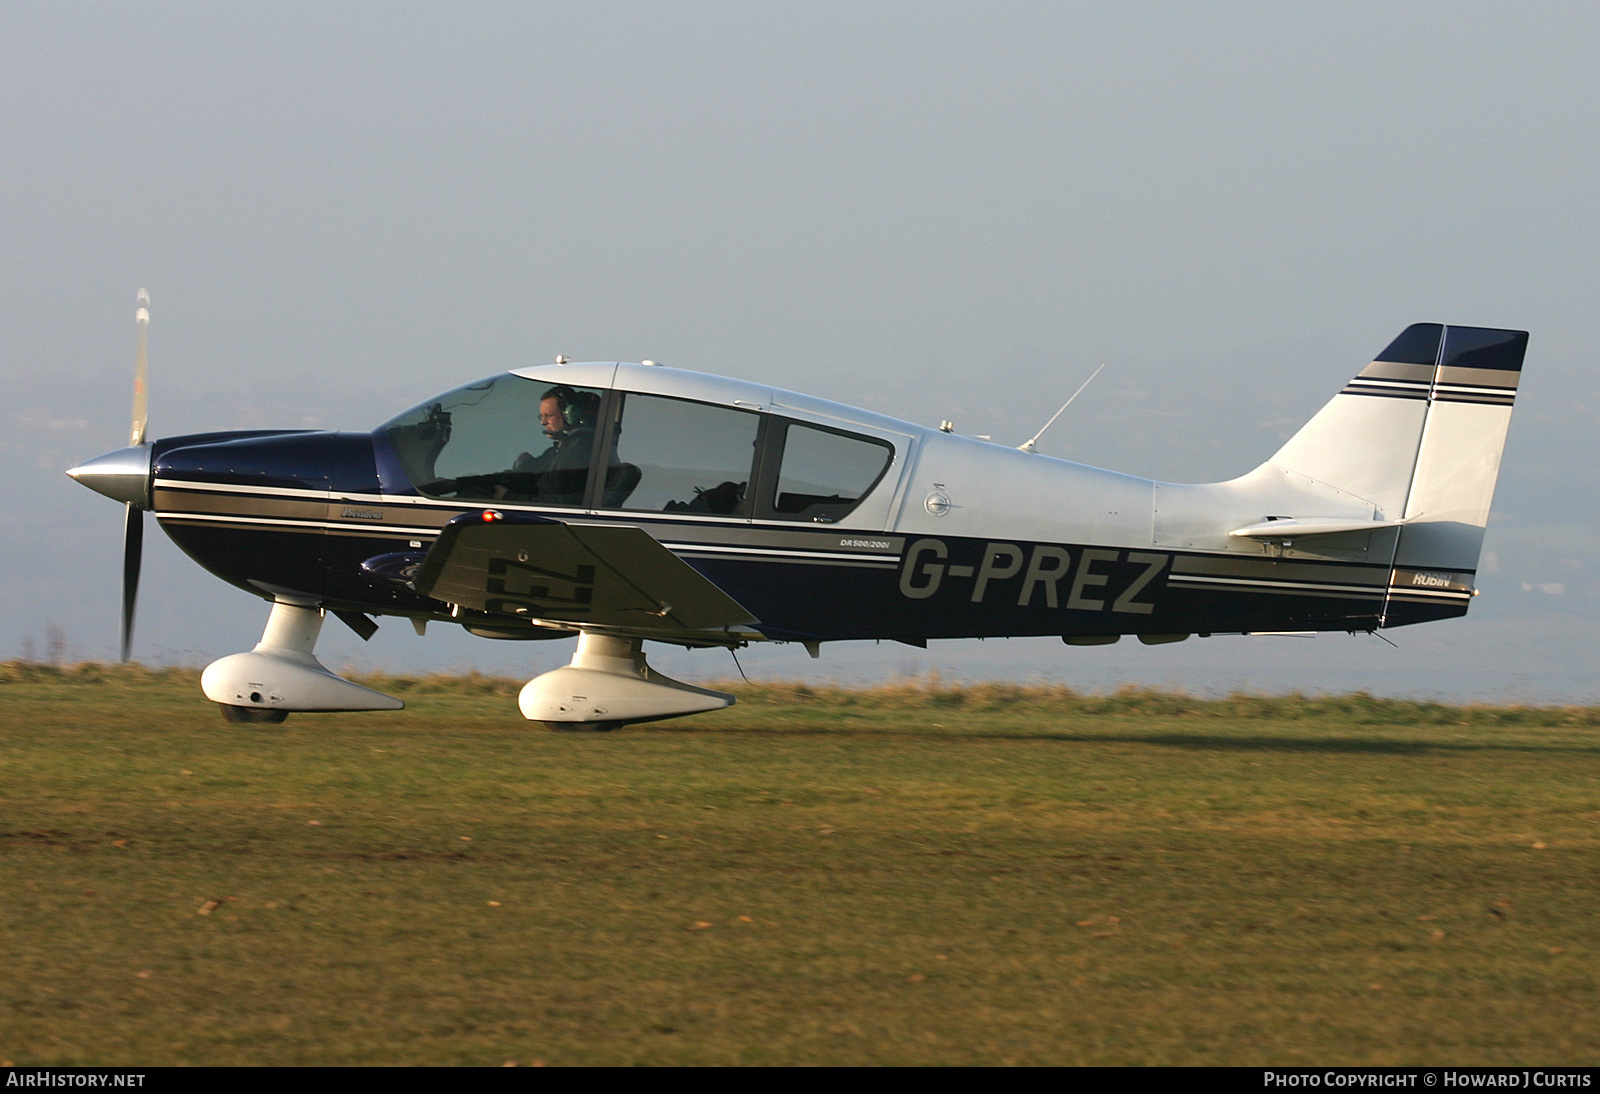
(606, 575)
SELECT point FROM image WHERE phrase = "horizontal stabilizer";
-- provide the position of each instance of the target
(601, 575)
(1301, 527)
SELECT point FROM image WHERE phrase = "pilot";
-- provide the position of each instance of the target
(568, 418)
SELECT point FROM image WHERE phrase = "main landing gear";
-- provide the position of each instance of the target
(608, 685)
(282, 674)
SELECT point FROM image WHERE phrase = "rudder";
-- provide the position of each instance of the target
(1470, 395)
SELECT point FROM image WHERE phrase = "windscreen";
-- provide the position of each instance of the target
(506, 438)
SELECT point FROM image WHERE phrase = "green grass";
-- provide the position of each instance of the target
(920, 874)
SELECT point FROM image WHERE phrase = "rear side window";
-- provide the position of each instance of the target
(822, 474)
(677, 456)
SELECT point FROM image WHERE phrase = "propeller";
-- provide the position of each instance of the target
(125, 476)
(133, 521)
(132, 554)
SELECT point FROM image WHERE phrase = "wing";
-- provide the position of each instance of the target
(611, 576)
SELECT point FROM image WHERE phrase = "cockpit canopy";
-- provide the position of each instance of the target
(515, 440)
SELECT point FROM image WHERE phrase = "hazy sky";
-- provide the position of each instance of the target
(935, 210)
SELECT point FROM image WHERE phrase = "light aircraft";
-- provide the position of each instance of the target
(625, 503)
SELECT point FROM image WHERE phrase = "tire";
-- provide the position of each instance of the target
(583, 727)
(253, 716)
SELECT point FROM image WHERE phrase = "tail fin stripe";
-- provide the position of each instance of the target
(1381, 393)
(1410, 597)
(1480, 400)
(1477, 389)
(1388, 370)
(1479, 377)
(1389, 385)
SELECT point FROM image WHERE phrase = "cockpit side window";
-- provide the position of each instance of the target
(678, 456)
(822, 473)
(503, 439)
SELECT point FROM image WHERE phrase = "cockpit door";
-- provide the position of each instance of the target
(678, 456)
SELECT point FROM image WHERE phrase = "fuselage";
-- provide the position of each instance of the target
(825, 521)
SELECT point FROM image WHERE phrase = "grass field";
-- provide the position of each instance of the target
(979, 875)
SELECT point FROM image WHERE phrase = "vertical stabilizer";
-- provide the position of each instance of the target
(1365, 441)
(1418, 435)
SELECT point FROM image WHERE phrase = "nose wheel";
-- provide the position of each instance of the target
(282, 674)
(253, 716)
(583, 727)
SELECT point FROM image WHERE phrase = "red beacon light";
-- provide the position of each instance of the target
(492, 515)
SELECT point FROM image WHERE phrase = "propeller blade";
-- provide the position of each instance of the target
(141, 373)
(132, 553)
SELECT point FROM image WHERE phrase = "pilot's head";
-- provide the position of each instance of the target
(563, 409)
(551, 420)
(558, 411)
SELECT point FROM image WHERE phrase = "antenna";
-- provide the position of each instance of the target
(1032, 444)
